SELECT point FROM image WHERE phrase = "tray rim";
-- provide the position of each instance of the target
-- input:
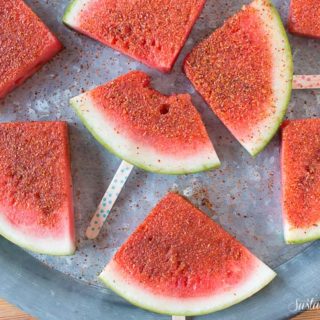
(51, 295)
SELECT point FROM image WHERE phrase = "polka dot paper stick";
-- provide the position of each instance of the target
(306, 82)
(109, 199)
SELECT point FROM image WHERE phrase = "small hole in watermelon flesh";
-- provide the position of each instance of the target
(164, 108)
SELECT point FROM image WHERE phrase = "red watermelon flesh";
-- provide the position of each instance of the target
(183, 263)
(36, 209)
(159, 133)
(25, 44)
(239, 70)
(301, 179)
(304, 18)
(137, 108)
(152, 32)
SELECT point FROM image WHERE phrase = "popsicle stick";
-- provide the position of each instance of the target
(178, 318)
(306, 82)
(108, 200)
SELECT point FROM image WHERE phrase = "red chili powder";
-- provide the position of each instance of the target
(304, 18)
(34, 171)
(179, 251)
(25, 43)
(232, 71)
(150, 31)
(170, 124)
(301, 172)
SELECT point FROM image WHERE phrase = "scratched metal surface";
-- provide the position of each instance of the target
(243, 195)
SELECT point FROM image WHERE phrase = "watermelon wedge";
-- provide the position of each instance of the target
(36, 209)
(301, 180)
(244, 71)
(152, 32)
(304, 18)
(158, 133)
(181, 262)
(25, 44)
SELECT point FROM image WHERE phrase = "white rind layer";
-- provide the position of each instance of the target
(282, 75)
(140, 155)
(72, 14)
(294, 235)
(62, 246)
(139, 296)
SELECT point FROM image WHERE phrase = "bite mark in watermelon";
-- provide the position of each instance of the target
(181, 262)
(36, 210)
(244, 72)
(304, 18)
(301, 180)
(152, 32)
(163, 134)
(25, 44)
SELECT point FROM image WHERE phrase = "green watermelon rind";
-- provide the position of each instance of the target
(68, 11)
(97, 136)
(35, 248)
(284, 108)
(303, 241)
(111, 285)
(301, 235)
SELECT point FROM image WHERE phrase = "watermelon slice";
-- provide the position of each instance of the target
(301, 180)
(244, 72)
(181, 262)
(152, 32)
(36, 210)
(25, 44)
(158, 133)
(304, 18)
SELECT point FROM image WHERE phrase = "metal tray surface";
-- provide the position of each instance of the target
(243, 195)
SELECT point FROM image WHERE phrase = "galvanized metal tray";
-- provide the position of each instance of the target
(244, 195)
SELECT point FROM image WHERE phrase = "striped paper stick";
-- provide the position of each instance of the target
(108, 200)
